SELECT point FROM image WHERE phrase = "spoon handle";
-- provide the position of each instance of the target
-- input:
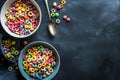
(46, 3)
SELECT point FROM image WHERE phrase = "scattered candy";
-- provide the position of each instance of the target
(8, 49)
(53, 10)
(52, 15)
(16, 68)
(58, 21)
(10, 68)
(56, 14)
(25, 42)
(68, 19)
(63, 2)
(39, 62)
(64, 17)
(59, 7)
(22, 17)
(54, 4)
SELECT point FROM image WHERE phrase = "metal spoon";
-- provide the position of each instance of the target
(51, 25)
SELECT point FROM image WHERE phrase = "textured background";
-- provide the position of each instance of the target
(89, 46)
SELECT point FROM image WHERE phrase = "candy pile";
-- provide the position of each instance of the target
(59, 7)
(8, 47)
(39, 62)
(22, 17)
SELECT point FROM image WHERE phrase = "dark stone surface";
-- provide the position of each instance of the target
(89, 46)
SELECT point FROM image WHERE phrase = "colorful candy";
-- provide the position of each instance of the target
(65, 17)
(25, 42)
(56, 14)
(59, 7)
(54, 4)
(53, 10)
(39, 61)
(22, 17)
(68, 19)
(8, 49)
(52, 15)
(58, 21)
(10, 68)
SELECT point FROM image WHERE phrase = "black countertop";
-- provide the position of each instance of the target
(89, 46)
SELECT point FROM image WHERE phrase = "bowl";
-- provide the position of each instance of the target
(7, 41)
(47, 45)
(3, 18)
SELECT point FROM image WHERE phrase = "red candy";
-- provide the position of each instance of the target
(59, 7)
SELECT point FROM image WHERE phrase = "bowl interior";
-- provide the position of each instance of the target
(17, 46)
(3, 18)
(56, 68)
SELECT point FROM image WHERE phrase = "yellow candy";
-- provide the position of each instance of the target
(63, 2)
(62, 5)
(17, 15)
(18, 0)
(46, 58)
(24, 62)
(23, 9)
(54, 4)
(25, 67)
(39, 66)
(26, 26)
(29, 50)
(7, 55)
(16, 52)
(10, 68)
(27, 8)
(34, 58)
(17, 32)
(34, 54)
(11, 56)
(44, 64)
(7, 14)
(29, 59)
(31, 70)
(22, 5)
(32, 29)
(30, 13)
(13, 42)
(37, 14)
(12, 48)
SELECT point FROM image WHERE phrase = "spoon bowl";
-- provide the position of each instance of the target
(52, 28)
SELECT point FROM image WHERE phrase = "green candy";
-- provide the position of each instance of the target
(12, 52)
(52, 15)
(29, 56)
(9, 41)
(38, 47)
(56, 14)
(42, 50)
(48, 67)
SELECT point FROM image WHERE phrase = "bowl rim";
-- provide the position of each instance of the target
(13, 34)
(28, 46)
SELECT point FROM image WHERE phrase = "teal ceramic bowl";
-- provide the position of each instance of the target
(20, 60)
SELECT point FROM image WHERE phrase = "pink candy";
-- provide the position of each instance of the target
(68, 19)
(59, 7)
